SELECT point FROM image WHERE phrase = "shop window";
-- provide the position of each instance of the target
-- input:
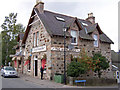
(19, 63)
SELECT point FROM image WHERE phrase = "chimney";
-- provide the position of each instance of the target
(40, 6)
(91, 18)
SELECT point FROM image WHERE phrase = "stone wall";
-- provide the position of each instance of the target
(44, 40)
(57, 56)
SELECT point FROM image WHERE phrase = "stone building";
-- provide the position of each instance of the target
(44, 41)
(19, 56)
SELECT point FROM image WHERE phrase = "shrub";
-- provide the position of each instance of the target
(102, 63)
(74, 69)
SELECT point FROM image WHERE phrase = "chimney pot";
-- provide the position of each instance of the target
(90, 14)
(91, 18)
(40, 6)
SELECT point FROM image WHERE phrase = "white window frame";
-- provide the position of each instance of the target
(74, 36)
(95, 36)
(37, 42)
(34, 40)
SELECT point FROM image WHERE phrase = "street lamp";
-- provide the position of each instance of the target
(64, 30)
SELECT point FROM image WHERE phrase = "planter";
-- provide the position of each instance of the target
(59, 78)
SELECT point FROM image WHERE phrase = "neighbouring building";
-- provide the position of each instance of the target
(44, 41)
(18, 58)
(115, 56)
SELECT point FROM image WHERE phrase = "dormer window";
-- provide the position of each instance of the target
(95, 36)
(74, 37)
(60, 19)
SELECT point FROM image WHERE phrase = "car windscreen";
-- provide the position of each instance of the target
(9, 68)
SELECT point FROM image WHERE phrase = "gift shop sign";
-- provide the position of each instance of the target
(39, 49)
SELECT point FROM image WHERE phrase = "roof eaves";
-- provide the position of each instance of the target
(43, 21)
(28, 28)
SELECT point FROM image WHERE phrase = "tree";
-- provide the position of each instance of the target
(85, 59)
(9, 36)
(102, 63)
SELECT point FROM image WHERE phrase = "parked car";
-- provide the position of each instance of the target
(8, 71)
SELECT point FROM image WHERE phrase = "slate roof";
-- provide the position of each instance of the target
(115, 57)
(20, 36)
(55, 26)
(104, 38)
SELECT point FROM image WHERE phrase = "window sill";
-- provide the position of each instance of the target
(74, 43)
(96, 46)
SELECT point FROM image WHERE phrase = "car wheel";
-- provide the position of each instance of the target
(3, 75)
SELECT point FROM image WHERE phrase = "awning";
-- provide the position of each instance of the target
(15, 63)
(27, 62)
(43, 63)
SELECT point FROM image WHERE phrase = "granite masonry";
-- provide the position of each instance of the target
(44, 42)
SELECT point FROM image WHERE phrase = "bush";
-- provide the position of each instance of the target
(74, 69)
(103, 64)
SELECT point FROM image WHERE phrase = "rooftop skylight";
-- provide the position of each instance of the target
(85, 24)
(60, 19)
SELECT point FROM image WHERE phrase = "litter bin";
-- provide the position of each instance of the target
(59, 78)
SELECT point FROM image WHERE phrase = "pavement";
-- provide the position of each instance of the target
(43, 83)
(52, 84)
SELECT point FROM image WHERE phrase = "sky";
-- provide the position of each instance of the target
(105, 12)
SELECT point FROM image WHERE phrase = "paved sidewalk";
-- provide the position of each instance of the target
(52, 84)
(44, 83)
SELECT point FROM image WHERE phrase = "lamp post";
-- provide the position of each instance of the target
(64, 30)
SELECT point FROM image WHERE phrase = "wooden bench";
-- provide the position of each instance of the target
(78, 81)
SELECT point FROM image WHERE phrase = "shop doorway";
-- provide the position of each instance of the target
(35, 66)
(36, 63)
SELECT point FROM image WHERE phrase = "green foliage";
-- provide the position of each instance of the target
(102, 64)
(74, 69)
(85, 60)
(84, 63)
(9, 36)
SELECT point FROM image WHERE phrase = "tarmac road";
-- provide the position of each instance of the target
(30, 83)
